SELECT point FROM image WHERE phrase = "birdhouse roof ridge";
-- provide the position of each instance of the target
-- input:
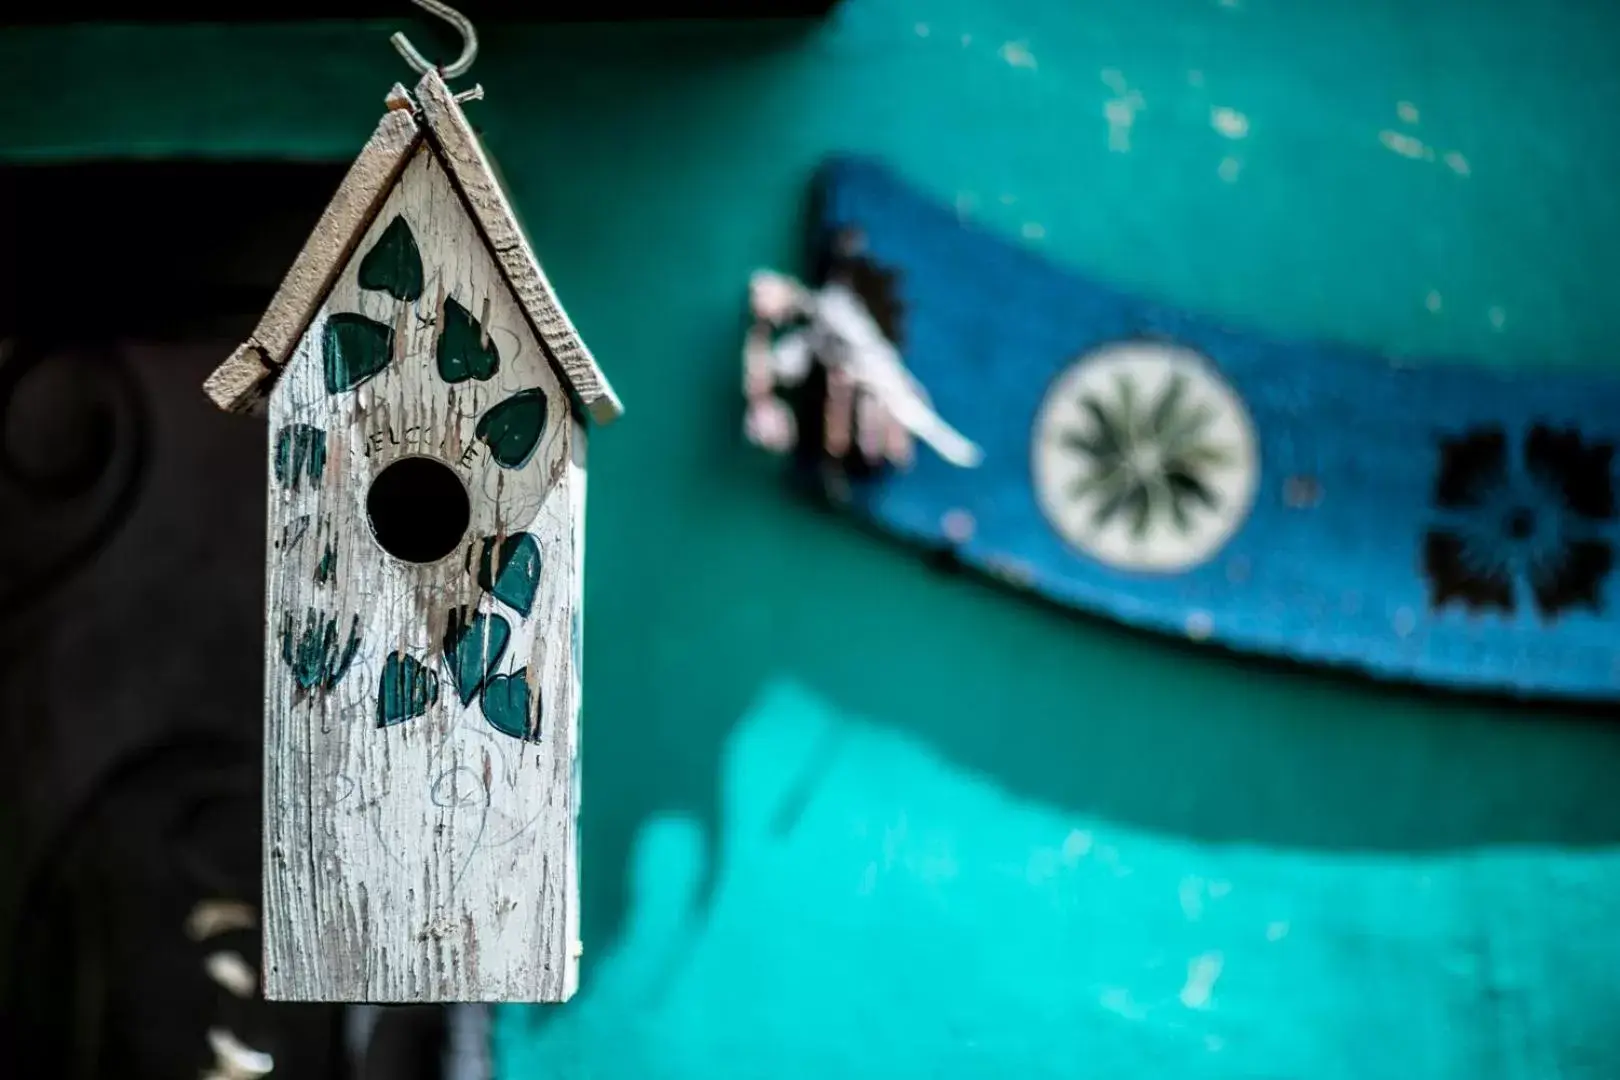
(433, 118)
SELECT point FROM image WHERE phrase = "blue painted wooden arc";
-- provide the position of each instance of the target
(1422, 521)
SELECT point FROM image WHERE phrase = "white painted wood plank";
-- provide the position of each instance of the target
(576, 637)
(432, 858)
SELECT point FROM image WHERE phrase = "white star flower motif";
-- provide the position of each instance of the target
(1143, 458)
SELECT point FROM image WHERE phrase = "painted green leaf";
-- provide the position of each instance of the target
(505, 705)
(509, 570)
(300, 452)
(463, 351)
(327, 566)
(1140, 504)
(512, 428)
(314, 656)
(393, 265)
(353, 349)
(473, 647)
(1110, 437)
(407, 688)
(1169, 403)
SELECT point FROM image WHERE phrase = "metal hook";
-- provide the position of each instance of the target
(464, 27)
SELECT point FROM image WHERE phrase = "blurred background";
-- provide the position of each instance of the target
(845, 813)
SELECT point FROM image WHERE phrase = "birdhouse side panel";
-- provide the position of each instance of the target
(421, 674)
(576, 637)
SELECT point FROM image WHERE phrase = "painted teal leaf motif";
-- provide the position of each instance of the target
(506, 706)
(509, 570)
(300, 453)
(407, 689)
(512, 428)
(327, 567)
(393, 265)
(463, 350)
(314, 655)
(473, 647)
(354, 349)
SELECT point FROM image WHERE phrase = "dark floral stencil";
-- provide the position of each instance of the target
(1148, 461)
(1516, 519)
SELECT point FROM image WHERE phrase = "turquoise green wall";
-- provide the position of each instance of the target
(846, 816)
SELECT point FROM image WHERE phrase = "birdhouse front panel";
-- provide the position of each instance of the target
(426, 487)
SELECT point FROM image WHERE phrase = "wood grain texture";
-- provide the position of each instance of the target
(242, 383)
(432, 858)
(576, 639)
(464, 157)
(311, 275)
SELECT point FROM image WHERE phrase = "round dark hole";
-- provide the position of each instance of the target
(418, 509)
(1521, 523)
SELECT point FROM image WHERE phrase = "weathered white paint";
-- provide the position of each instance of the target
(434, 859)
(1229, 121)
(1017, 54)
(1202, 971)
(1405, 145)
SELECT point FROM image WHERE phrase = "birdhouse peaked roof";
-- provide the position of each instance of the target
(244, 381)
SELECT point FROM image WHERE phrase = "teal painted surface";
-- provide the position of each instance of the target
(463, 352)
(848, 816)
(512, 428)
(473, 648)
(509, 569)
(354, 349)
(394, 265)
(406, 689)
(320, 657)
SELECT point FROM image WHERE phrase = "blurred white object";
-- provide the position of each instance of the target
(841, 333)
(234, 1061)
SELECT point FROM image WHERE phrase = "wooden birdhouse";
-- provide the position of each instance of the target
(427, 400)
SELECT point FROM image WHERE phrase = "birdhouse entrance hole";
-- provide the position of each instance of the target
(418, 509)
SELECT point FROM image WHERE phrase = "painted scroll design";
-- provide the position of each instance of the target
(74, 432)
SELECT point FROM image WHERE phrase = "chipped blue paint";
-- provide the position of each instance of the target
(1437, 522)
